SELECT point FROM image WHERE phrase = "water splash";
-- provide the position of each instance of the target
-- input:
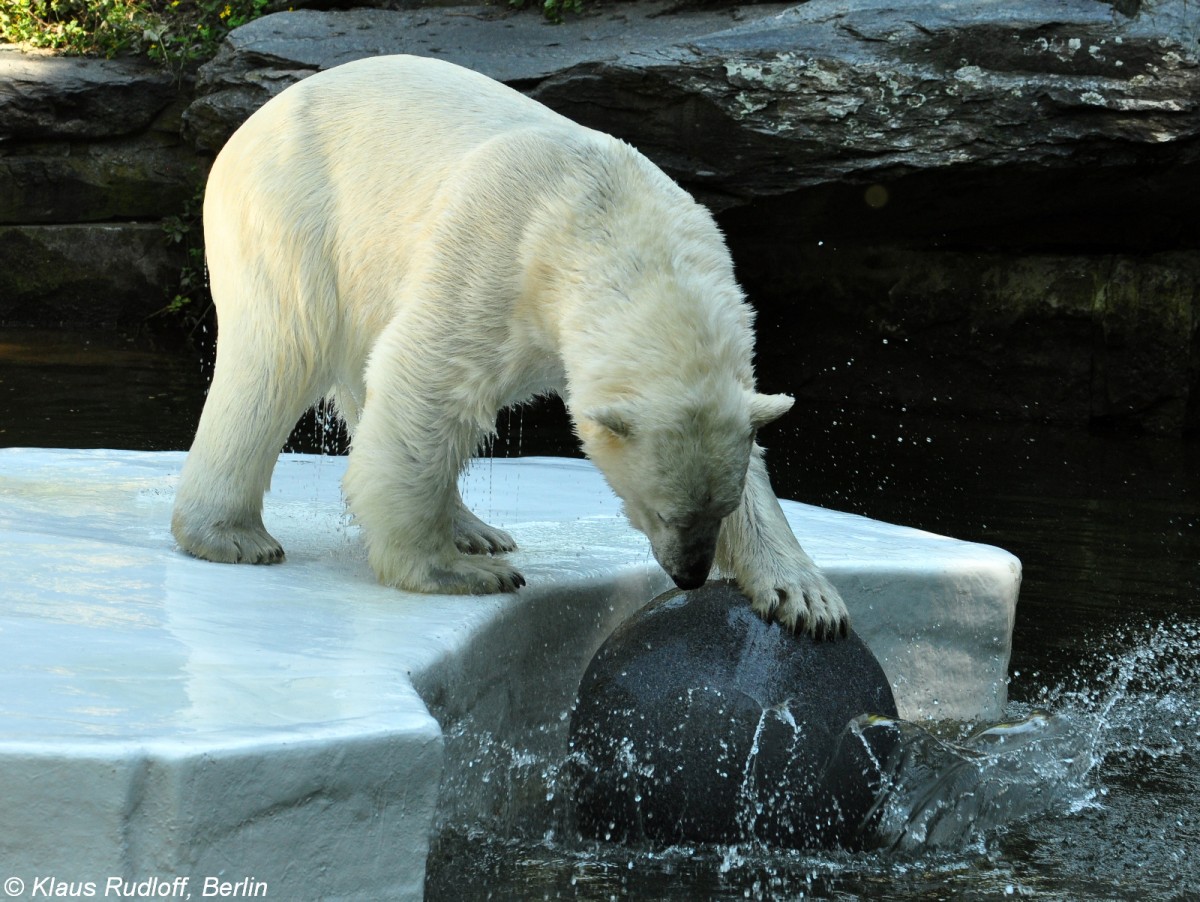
(957, 802)
(1145, 701)
(948, 795)
(1146, 697)
(320, 431)
(751, 804)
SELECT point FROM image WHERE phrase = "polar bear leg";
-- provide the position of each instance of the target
(758, 547)
(413, 439)
(250, 409)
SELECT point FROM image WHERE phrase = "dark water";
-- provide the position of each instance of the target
(1092, 796)
(61, 389)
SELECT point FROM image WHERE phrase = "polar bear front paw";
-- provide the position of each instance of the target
(801, 601)
(453, 574)
(225, 543)
(473, 536)
(473, 576)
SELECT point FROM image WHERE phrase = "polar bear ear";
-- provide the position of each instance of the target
(612, 419)
(766, 409)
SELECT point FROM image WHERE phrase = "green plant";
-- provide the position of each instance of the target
(552, 9)
(191, 30)
(188, 300)
(106, 27)
(175, 33)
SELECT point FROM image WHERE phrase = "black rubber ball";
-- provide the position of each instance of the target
(697, 721)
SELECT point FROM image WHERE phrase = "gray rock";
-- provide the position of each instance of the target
(826, 92)
(85, 275)
(787, 97)
(86, 147)
(262, 58)
(43, 96)
(125, 179)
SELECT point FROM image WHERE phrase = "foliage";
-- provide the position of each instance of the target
(552, 9)
(188, 301)
(173, 32)
(74, 26)
(192, 29)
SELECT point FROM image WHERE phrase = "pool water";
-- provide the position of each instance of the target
(1088, 794)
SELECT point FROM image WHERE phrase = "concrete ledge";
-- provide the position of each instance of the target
(163, 716)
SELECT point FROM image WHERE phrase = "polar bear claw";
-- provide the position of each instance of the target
(229, 543)
(452, 574)
(813, 607)
(473, 536)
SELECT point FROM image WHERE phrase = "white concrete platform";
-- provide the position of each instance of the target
(163, 717)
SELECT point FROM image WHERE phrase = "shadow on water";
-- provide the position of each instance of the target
(1088, 793)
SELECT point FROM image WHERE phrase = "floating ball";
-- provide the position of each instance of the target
(697, 721)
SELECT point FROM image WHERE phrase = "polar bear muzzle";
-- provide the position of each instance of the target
(693, 578)
(687, 552)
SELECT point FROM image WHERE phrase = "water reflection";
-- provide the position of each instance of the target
(64, 389)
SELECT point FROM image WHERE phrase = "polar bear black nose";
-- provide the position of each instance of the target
(690, 565)
(691, 579)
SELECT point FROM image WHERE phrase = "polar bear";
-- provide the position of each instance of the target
(427, 246)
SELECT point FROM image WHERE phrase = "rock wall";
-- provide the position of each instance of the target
(983, 206)
(91, 161)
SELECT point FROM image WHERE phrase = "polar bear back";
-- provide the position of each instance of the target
(383, 115)
(408, 188)
(312, 184)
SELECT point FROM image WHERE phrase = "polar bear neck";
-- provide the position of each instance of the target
(650, 296)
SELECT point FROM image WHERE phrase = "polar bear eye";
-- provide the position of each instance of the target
(661, 519)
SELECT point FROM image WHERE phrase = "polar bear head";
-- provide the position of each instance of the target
(682, 470)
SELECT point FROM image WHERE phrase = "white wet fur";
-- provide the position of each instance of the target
(428, 246)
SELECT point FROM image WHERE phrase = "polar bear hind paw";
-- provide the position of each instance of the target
(243, 543)
(473, 536)
(805, 606)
